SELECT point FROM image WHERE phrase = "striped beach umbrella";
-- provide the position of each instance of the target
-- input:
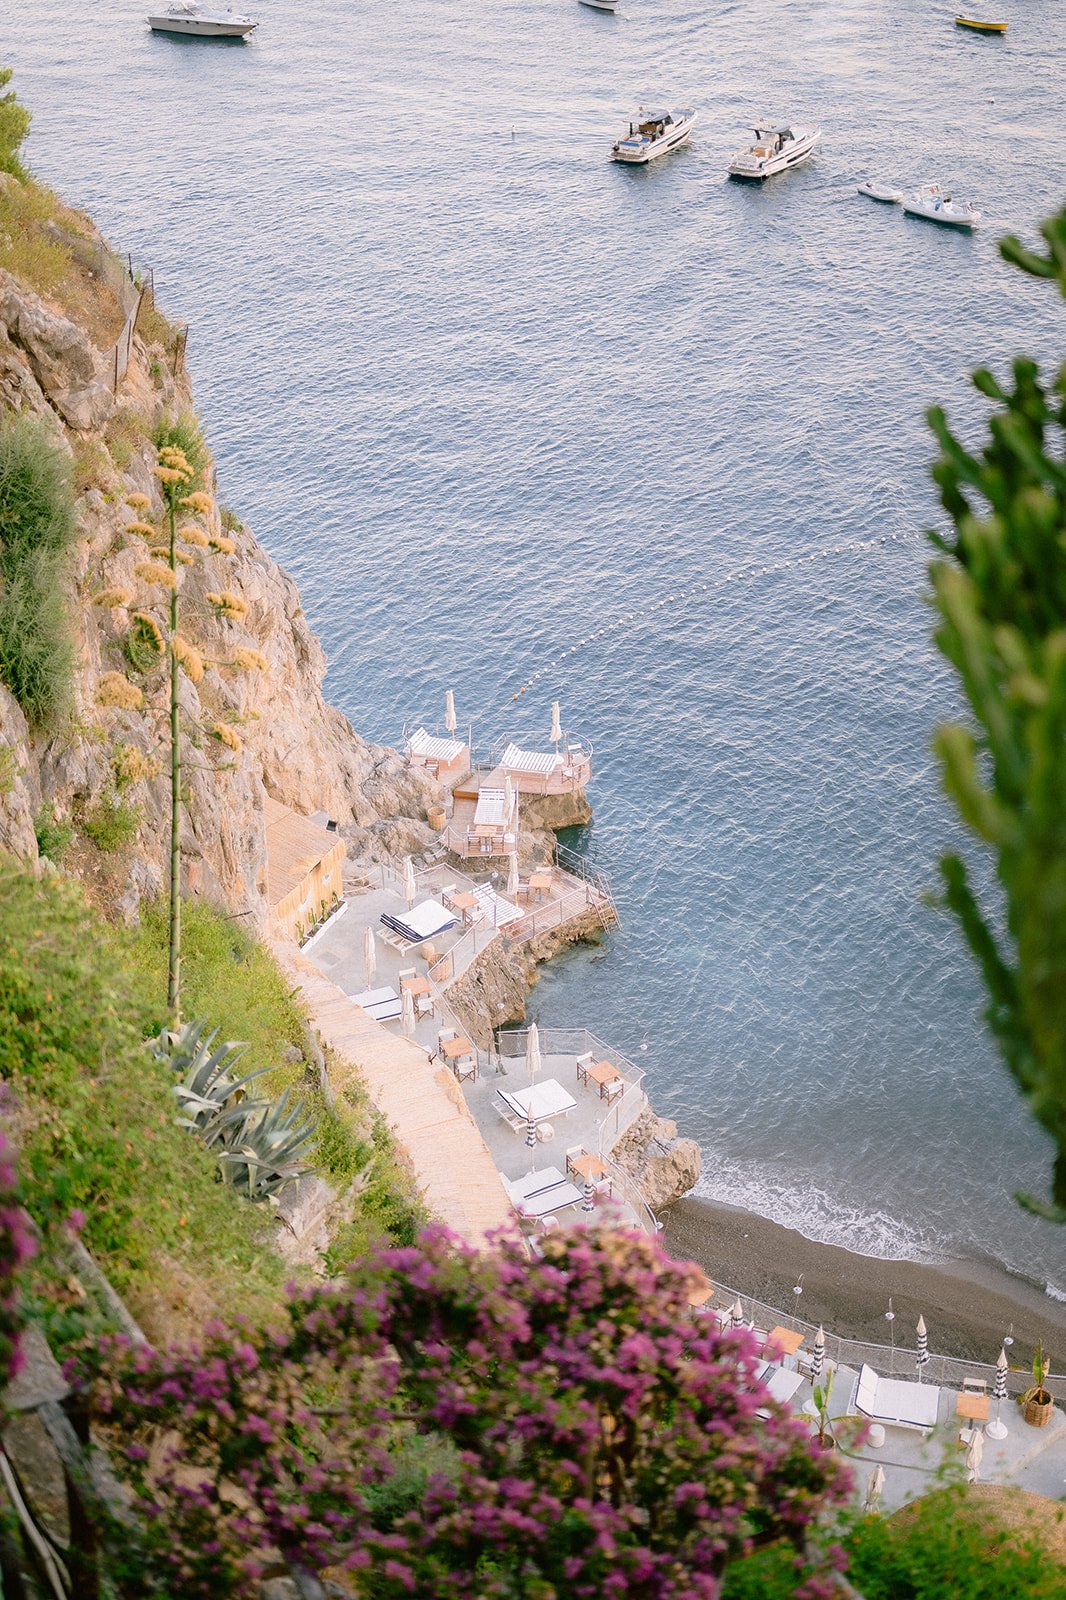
(531, 1139)
(921, 1355)
(998, 1428)
(588, 1202)
(818, 1355)
(450, 721)
(736, 1314)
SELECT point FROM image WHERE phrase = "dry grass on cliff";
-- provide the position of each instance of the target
(37, 233)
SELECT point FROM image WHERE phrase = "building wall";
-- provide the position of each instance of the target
(323, 884)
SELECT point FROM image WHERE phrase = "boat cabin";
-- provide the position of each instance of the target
(653, 124)
(768, 141)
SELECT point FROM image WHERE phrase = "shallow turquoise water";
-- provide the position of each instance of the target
(485, 393)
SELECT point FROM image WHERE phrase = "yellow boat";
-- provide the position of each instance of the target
(980, 27)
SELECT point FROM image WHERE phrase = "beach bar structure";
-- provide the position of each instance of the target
(562, 770)
(305, 864)
(444, 758)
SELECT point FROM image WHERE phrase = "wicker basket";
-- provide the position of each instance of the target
(1037, 1406)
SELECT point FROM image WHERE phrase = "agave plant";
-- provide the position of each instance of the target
(212, 1102)
(265, 1152)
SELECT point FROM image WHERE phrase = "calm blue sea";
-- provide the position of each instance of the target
(487, 395)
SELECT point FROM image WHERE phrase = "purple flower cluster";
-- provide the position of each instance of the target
(16, 1247)
(450, 1424)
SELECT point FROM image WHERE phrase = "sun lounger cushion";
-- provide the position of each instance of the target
(429, 917)
(893, 1400)
(430, 748)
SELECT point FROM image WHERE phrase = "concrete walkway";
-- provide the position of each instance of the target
(419, 1099)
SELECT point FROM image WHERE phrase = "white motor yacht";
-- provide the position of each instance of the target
(652, 134)
(934, 205)
(881, 191)
(185, 16)
(774, 150)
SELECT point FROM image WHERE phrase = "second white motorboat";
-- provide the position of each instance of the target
(774, 150)
(185, 16)
(653, 134)
(881, 191)
(599, 5)
(934, 205)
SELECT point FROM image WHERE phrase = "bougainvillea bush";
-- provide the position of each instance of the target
(450, 1424)
(16, 1248)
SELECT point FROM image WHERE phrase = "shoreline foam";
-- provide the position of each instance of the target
(968, 1306)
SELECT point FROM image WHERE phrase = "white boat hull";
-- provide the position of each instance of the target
(202, 29)
(749, 169)
(637, 152)
(945, 217)
(879, 191)
(599, 5)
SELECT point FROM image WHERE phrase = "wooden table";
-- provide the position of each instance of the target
(540, 882)
(414, 986)
(603, 1073)
(972, 1406)
(451, 1049)
(785, 1339)
(464, 902)
(586, 1166)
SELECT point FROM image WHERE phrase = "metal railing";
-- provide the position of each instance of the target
(552, 914)
(511, 1044)
(579, 866)
(452, 963)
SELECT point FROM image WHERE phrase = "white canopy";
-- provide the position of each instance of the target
(520, 760)
(426, 744)
(547, 1098)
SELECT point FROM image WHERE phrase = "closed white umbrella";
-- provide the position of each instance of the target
(998, 1428)
(974, 1452)
(533, 1061)
(512, 873)
(409, 888)
(818, 1355)
(508, 799)
(874, 1489)
(921, 1355)
(450, 721)
(370, 952)
(407, 1012)
(557, 725)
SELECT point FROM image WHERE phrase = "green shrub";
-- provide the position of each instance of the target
(110, 823)
(36, 531)
(14, 126)
(97, 1111)
(53, 837)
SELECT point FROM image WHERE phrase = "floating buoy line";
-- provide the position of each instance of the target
(632, 619)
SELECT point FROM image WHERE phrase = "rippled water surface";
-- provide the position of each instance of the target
(484, 392)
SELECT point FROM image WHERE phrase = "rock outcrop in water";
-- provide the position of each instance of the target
(294, 745)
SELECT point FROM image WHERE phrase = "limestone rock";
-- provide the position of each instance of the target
(60, 356)
(20, 792)
(665, 1166)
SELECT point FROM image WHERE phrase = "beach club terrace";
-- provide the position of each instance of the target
(906, 1419)
(551, 1104)
(484, 820)
(444, 757)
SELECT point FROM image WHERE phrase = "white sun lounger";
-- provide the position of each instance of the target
(896, 1401)
(519, 760)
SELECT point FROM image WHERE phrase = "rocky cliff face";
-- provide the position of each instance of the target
(288, 740)
(665, 1166)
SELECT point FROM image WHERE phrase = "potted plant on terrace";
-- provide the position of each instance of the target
(1037, 1403)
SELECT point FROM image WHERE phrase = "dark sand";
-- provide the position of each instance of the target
(967, 1307)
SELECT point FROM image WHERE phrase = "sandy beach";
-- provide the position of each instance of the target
(968, 1308)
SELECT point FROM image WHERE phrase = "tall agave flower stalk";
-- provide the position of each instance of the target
(175, 475)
